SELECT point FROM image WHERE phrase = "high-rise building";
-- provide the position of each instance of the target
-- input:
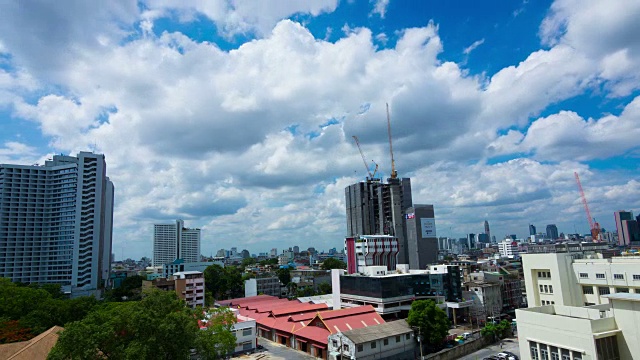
(174, 241)
(532, 229)
(487, 231)
(471, 241)
(422, 243)
(620, 216)
(56, 222)
(376, 208)
(552, 231)
(296, 250)
(371, 250)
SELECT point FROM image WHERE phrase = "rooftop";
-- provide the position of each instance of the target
(623, 296)
(371, 333)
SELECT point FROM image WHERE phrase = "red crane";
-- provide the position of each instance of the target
(594, 226)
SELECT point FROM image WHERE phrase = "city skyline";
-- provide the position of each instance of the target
(239, 117)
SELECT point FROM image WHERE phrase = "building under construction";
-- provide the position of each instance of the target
(377, 208)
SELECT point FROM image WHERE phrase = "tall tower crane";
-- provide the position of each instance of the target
(594, 226)
(394, 173)
(364, 160)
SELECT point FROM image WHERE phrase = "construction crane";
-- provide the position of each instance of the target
(394, 173)
(594, 226)
(364, 160)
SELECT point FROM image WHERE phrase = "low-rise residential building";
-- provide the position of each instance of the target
(244, 330)
(188, 285)
(310, 278)
(487, 300)
(263, 286)
(393, 340)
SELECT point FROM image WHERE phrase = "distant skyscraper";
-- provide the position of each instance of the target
(375, 208)
(471, 241)
(552, 231)
(621, 216)
(422, 243)
(483, 239)
(532, 229)
(174, 241)
(56, 222)
(296, 249)
(486, 230)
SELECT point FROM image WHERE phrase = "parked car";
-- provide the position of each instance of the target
(460, 339)
(492, 357)
(467, 335)
(507, 356)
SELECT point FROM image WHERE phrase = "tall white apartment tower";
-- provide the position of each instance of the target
(56, 222)
(174, 241)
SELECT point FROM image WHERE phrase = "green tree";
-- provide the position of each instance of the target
(431, 321)
(324, 288)
(266, 262)
(333, 263)
(159, 326)
(130, 289)
(284, 275)
(496, 331)
(223, 283)
(248, 261)
(217, 340)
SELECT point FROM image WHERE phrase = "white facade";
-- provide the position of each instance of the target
(558, 278)
(487, 300)
(373, 250)
(604, 332)
(508, 248)
(56, 222)
(245, 333)
(174, 241)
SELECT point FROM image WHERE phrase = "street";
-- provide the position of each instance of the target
(510, 345)
(275, 352)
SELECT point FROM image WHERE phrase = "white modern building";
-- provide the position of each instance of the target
(174, 241)
(601, 332)
(56, 222)
(508, 248)
(574, 279)
(582, 306)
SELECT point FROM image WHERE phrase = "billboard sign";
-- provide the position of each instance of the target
(428, 226)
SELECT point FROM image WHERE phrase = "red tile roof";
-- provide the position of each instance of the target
(294, 308)
(347, 312)
(314, 333)
(249, 299)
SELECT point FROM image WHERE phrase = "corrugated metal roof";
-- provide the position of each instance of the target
(371, 333)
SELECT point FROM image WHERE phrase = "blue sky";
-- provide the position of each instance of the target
(238, 116)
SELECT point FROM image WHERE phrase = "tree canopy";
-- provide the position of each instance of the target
(26, 311)
(284, 275)
(160, 326)
(432, 321)
(333, 263)
(499, 330)
(223, 283)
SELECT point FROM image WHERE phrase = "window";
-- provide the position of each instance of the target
(551, 289)
(622, 290)
(553, 303)
(345, 347)
(398, 338)
(636, 277)
(544, 354)
(618, 276)
(334, 343)
(373, 344)
(599, 276)
(587, 290)
(385, 342)
(541, 288)
(584, 275)
(603, 291)
(548, 274)
(360, 348)
(407, 337)
(247, 346)
(539, 274)
(534, 351)
(546, 289)
(246, 332)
